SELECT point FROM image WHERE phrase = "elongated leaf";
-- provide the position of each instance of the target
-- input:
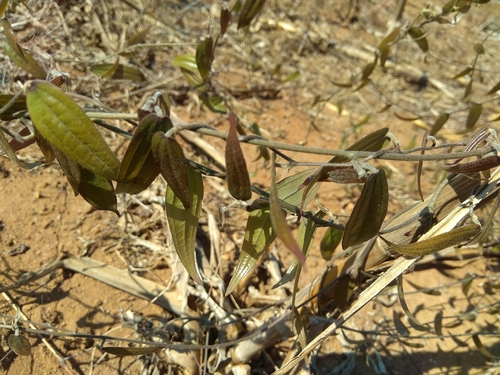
(19, 345)
(122, 351)
(475, 166)
(11, 113)
(147, 174)
(330, 241)
(371, 142)
(189, 68)
(438, 323)
(225, 19)
(118, 71)
(45, 147)
(259, 233)
(278, 220)
(249, 11)
(64, 124)
(494, 89)
(213, 103)
(183, 222)
(406, 116)
(3, 7)
(368, 69)
(140, 145)
(173, 166)
(238, 180)
(369, 211)
(482, 349)
(305, 236)
(18, 54)
(463, 72)
(436, 243)
(385, 45)
(439, 123)
(468, 90)
(418, 36)
(6, 148)
(97, 190)
(204, 57)
(474, 113)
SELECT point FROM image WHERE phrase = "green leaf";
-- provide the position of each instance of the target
(122, 351)
(238, 180)
(118, 71)
(468, 89)
(466, 285)
(494, 89)
(213, 103)
(292, 76)
(204, 57)
(278, 219)
(385, 45)
(19, 345)
(173, 166)
(418, 36)
(140, 145)
(305, 236)
(368, 70)
(97, 191)
(189, 68)
(369, 211)
(330, 241)
(249, 11)
(147, 174)
(18, 54)
(463, 72)
(19, 105)
(474, 113)
(441, 241)
(372, 142)
(183, 222)
(479, 48)
(259, 233)
(64, 124)
(3, 7)
(482, 349)
(439, 123)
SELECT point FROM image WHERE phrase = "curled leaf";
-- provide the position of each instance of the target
(238, 180)
(475, 166)
(140, 145)
(249, 11)
(369, 211)
(431, 245)
(183, 222)
(122, 351)
(173, 166)
(204, 57)
(64, 124)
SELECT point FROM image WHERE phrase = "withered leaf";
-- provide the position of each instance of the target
(173, 166)
(238, 180)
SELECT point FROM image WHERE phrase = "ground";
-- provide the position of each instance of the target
(42, 221)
